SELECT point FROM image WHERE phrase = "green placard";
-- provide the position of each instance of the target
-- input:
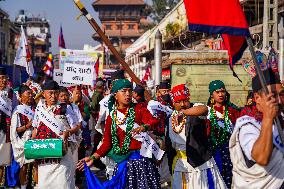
(43, 148)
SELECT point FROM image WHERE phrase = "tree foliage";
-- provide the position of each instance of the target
(160, 8)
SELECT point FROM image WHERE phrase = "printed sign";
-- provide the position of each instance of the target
(82, 57)
(58, 77)
(78, 74)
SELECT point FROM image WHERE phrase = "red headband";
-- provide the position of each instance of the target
(179, 92)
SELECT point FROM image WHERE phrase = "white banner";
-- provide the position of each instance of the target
(149, 147)
(25, 110)
(78, 74)
(82, 57)
(58, 77)
(49, 120)
(6, 106)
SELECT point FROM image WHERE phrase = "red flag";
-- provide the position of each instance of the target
(220, 17)
(61, 42)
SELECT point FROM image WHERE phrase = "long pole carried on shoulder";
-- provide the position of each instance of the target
(100, 32)
(264, 85)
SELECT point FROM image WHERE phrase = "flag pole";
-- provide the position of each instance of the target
(99, 31)
(263, 84)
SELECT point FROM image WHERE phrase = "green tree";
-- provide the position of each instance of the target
(160, 8)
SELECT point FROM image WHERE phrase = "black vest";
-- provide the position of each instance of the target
(197, 146)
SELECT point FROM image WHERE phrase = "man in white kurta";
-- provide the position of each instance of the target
(256, 149)
(55, 173)
(185, 176)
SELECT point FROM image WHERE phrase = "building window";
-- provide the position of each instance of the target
(131, 26)
(2, 36)
(1, 21)
(119, 26)
(42, 30)
(108, 27)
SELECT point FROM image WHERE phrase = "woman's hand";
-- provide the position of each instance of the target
(29, 125)
(89, 161)
(138, 130)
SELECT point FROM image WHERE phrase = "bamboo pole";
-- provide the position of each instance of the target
(264, 85)
(99, 31)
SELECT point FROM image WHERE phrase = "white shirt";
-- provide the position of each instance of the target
(248, 136)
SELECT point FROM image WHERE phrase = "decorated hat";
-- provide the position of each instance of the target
(179, 92)
(120, 84)
(216, 85)
(3, 71)
(270, 78)
(50, 85)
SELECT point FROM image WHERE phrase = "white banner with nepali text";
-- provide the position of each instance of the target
(78, 74)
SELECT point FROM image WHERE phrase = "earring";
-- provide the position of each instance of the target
(212, 101)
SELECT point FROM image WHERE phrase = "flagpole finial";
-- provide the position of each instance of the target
(158, 34)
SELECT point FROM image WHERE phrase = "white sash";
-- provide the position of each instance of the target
(6, 106)
(149, 146)
(276, 138)
(26, 111)
(154, 107)
(49, 120)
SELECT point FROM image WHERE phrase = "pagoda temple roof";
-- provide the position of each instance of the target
(120, 2)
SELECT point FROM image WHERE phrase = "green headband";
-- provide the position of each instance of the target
(120, 84)
(215, 85)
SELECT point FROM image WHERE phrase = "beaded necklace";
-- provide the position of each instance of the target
(218, 134)
(177, 128)
(129, 126)
(118, 122)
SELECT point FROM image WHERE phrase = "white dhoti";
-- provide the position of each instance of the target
(59, 176)
(5, 150)
(186, 177)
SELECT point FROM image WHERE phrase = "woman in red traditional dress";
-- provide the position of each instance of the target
(121, 142)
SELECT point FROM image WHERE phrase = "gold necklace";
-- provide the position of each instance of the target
(177, 128)
(123, 120)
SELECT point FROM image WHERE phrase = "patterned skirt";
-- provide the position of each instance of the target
(223, 161)
(142, 174)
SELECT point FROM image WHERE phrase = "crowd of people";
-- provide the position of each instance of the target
(167, 142)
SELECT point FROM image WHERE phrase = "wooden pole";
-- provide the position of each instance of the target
(264, 85)
(99, 31)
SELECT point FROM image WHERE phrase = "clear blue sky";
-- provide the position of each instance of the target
(76, 33)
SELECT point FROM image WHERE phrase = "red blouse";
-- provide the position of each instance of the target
(234, 114)
(142, 116)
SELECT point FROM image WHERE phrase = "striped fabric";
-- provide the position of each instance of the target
(48, 67)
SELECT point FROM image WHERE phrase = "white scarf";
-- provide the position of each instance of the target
(154, 107)
(149, 146)
(25, 110)
(49, 119)
(5, 103)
